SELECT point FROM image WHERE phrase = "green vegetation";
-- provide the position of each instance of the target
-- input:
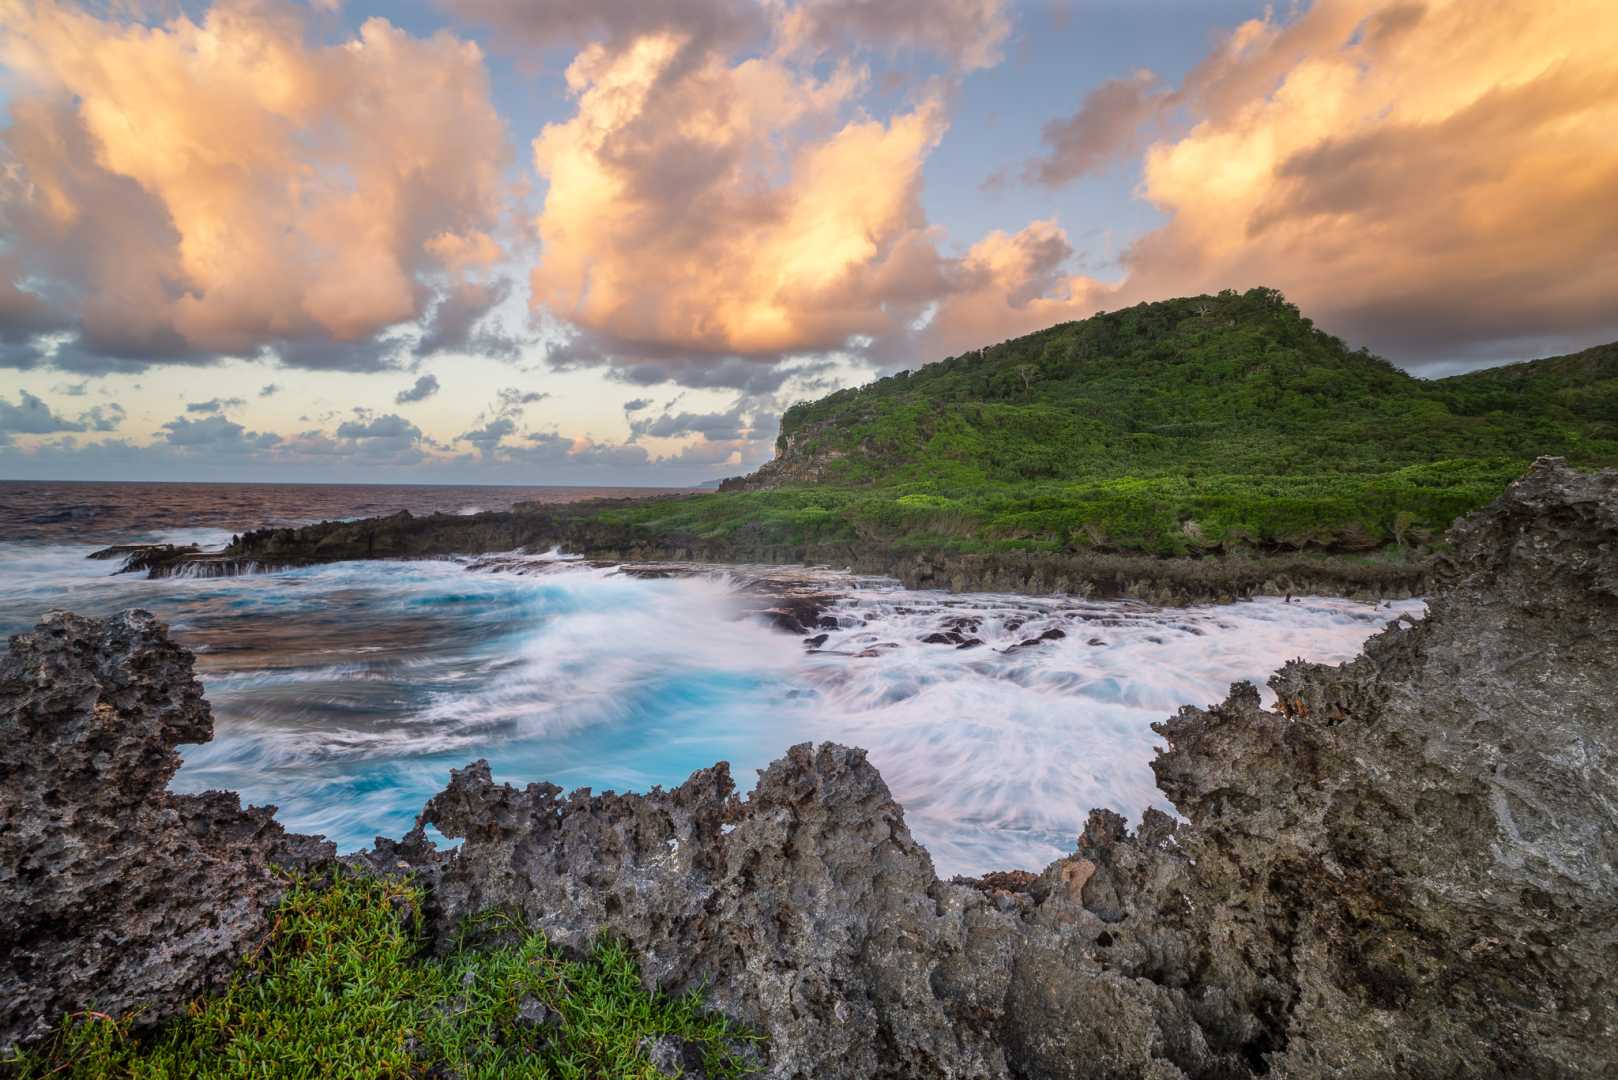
(341, 989)
(1216, 423)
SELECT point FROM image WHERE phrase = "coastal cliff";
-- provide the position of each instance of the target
(1408, 867)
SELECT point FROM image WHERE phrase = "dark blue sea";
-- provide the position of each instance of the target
(344, 694)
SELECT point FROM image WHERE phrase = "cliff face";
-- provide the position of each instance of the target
(1408, 868)
(801, 457)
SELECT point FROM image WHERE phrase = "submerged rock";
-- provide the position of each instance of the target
(1409, 867)
(114, 893)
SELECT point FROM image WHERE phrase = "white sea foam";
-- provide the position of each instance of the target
(996, 752)
(345, 693)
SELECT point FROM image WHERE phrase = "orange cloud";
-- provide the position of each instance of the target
(1006, 285)
(212, 187)
(701, 205)
(1422, 176)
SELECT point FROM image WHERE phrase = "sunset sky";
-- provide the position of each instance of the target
(606, 243)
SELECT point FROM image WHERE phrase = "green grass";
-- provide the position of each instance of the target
(341, 989)
(1196, 426)
(1158, 515)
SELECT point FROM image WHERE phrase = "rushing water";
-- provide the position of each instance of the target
(344, 694)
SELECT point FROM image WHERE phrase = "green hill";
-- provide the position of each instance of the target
(1201, 425)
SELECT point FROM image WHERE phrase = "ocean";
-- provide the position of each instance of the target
(344, 694)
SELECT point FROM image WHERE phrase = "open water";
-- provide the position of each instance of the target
(344, 694)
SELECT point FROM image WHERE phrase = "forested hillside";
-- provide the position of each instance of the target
(1206, 424)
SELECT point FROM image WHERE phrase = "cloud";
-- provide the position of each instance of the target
(215, 436)
(108, 417)
(78, 389)
(637, 404)
(1430, 179)
(269, 390)
(729, 424)
(564, 22)
(195, 189)
(1007, 284)
(488, 437)
(31, 416)
(453, 325)
(1107, 125)
(512, 400)
(24, 315)
(702, 210)
(587, 453)
(967, 33)
(424, 388)
(317, 353)
(388, 426)
(214, 405)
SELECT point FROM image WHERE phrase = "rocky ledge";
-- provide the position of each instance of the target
(578, 529)
(1409, 867)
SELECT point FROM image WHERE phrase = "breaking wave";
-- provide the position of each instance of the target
(344, 694)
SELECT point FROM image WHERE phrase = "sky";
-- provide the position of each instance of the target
(482, 241)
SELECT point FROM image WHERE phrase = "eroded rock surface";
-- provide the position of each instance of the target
(806, 910)
(114, 893)
(1408, 867)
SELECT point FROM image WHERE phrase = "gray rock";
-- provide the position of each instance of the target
(672, 1056)
(1408, 867)
(114, 893)
(807, 911)
(532, 1012)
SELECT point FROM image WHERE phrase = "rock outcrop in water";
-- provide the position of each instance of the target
(1408, 868)
(114, 893)
(576, 528)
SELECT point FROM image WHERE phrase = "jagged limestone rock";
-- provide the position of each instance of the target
(1408, 867)
(115, 894)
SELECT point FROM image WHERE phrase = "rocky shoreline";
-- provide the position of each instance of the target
(542, 527)
(1408, 868)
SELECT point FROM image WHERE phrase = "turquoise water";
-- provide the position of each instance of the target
(345, 694)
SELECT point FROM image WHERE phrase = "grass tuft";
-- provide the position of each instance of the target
(341, 989)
